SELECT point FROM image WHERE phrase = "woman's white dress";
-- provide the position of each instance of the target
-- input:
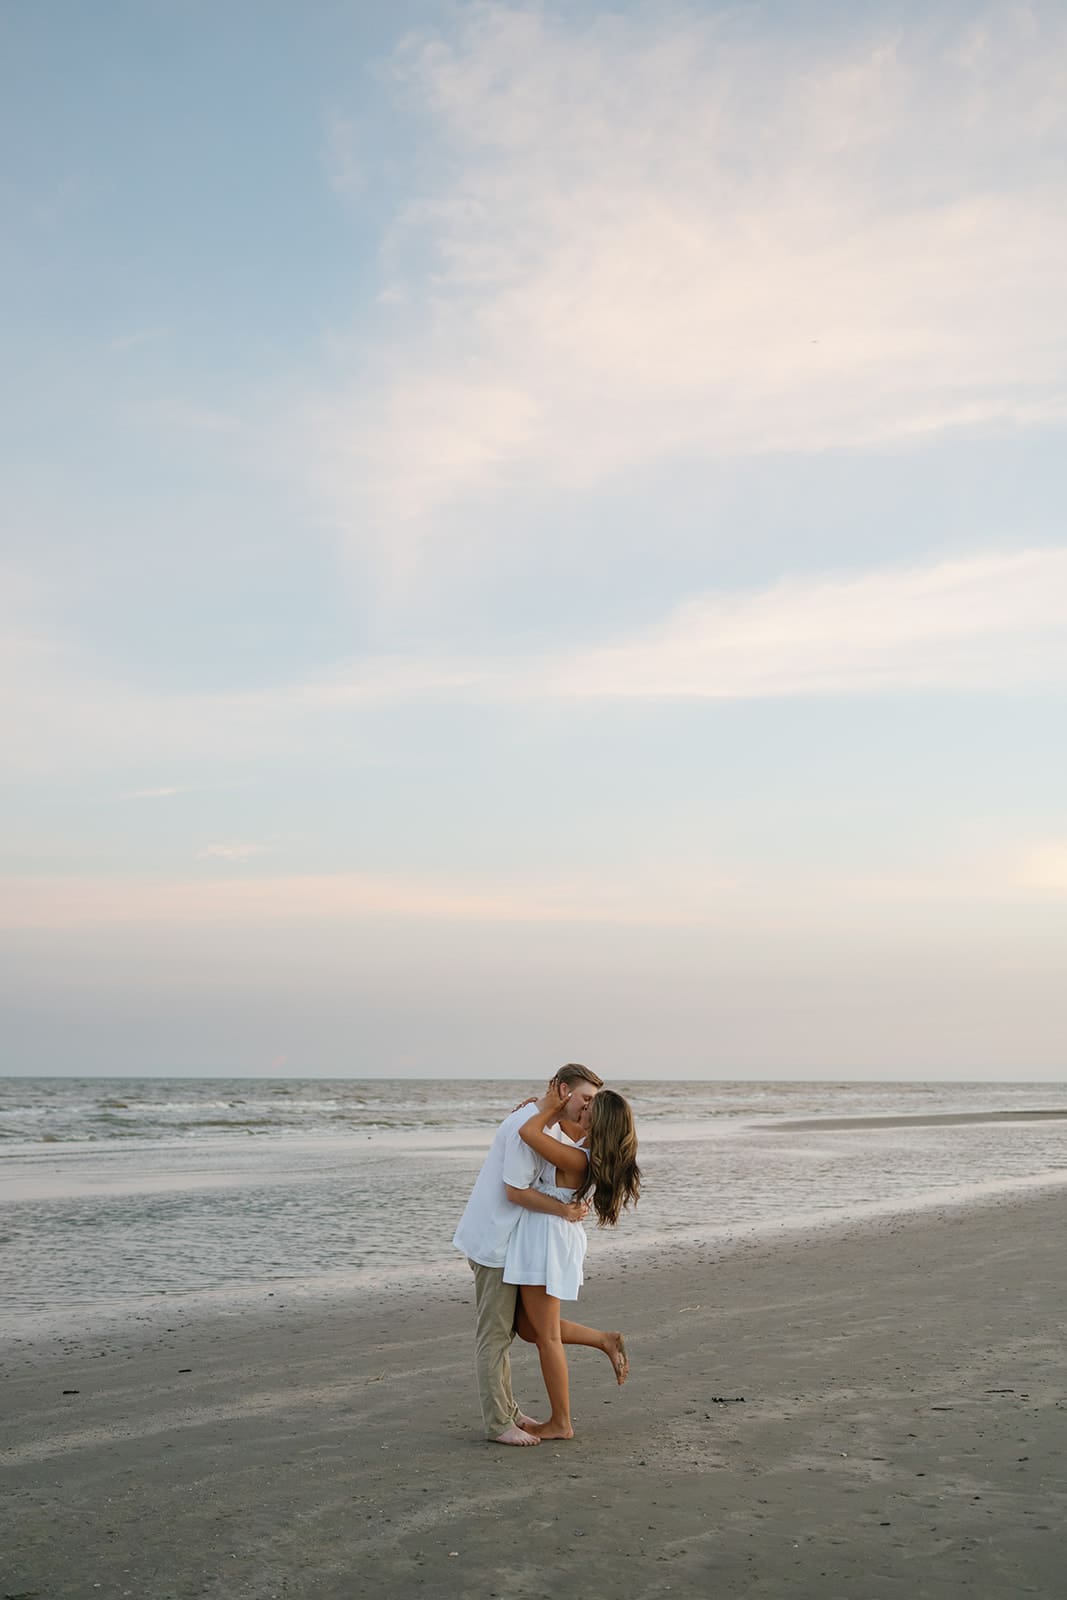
(547, 1249)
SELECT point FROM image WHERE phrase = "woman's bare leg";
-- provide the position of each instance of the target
(612, 1344)
(542, 1310)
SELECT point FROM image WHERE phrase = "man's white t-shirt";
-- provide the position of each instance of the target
(489, 1219)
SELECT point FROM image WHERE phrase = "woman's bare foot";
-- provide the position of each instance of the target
(554, 1430)
(531, 1424)
(615, 1350)
(515, 1435)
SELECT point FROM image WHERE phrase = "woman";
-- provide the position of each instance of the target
(545, 1253)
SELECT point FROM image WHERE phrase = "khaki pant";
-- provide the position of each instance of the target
(494, 1331)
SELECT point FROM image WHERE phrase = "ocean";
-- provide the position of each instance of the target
(142, 1198)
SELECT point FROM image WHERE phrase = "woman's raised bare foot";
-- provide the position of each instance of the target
(615, 1350)
(531, 1424)
(513, 1435)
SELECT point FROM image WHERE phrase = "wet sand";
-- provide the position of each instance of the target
(928, 1119)
(874, 1411)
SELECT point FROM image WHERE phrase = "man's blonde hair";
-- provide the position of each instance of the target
(574, 1073)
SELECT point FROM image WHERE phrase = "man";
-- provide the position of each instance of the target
(501, 1189)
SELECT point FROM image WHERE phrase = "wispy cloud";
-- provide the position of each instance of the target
(340, 155)
(195, 420)
(1043, 867)
(989, 622)
(237, 851)
(165, 793)
(793, 246)
(139, 337)
(659, 895)
(631, 899)
(995, 621)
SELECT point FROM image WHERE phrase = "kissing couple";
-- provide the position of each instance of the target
(522, 1234)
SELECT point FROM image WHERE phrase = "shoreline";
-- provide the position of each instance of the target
(432, 1281)
(901, 1432)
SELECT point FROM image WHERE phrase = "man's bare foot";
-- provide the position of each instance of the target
(615, 1350)
(531, 1424)
(513, 1435)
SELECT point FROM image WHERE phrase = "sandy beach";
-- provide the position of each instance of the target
(877, 1410)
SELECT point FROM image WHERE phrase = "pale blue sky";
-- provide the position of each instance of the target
(534, 533)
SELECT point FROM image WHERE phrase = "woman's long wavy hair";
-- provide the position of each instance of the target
(614, 1179)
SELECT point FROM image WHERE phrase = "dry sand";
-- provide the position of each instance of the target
(902, 1434)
